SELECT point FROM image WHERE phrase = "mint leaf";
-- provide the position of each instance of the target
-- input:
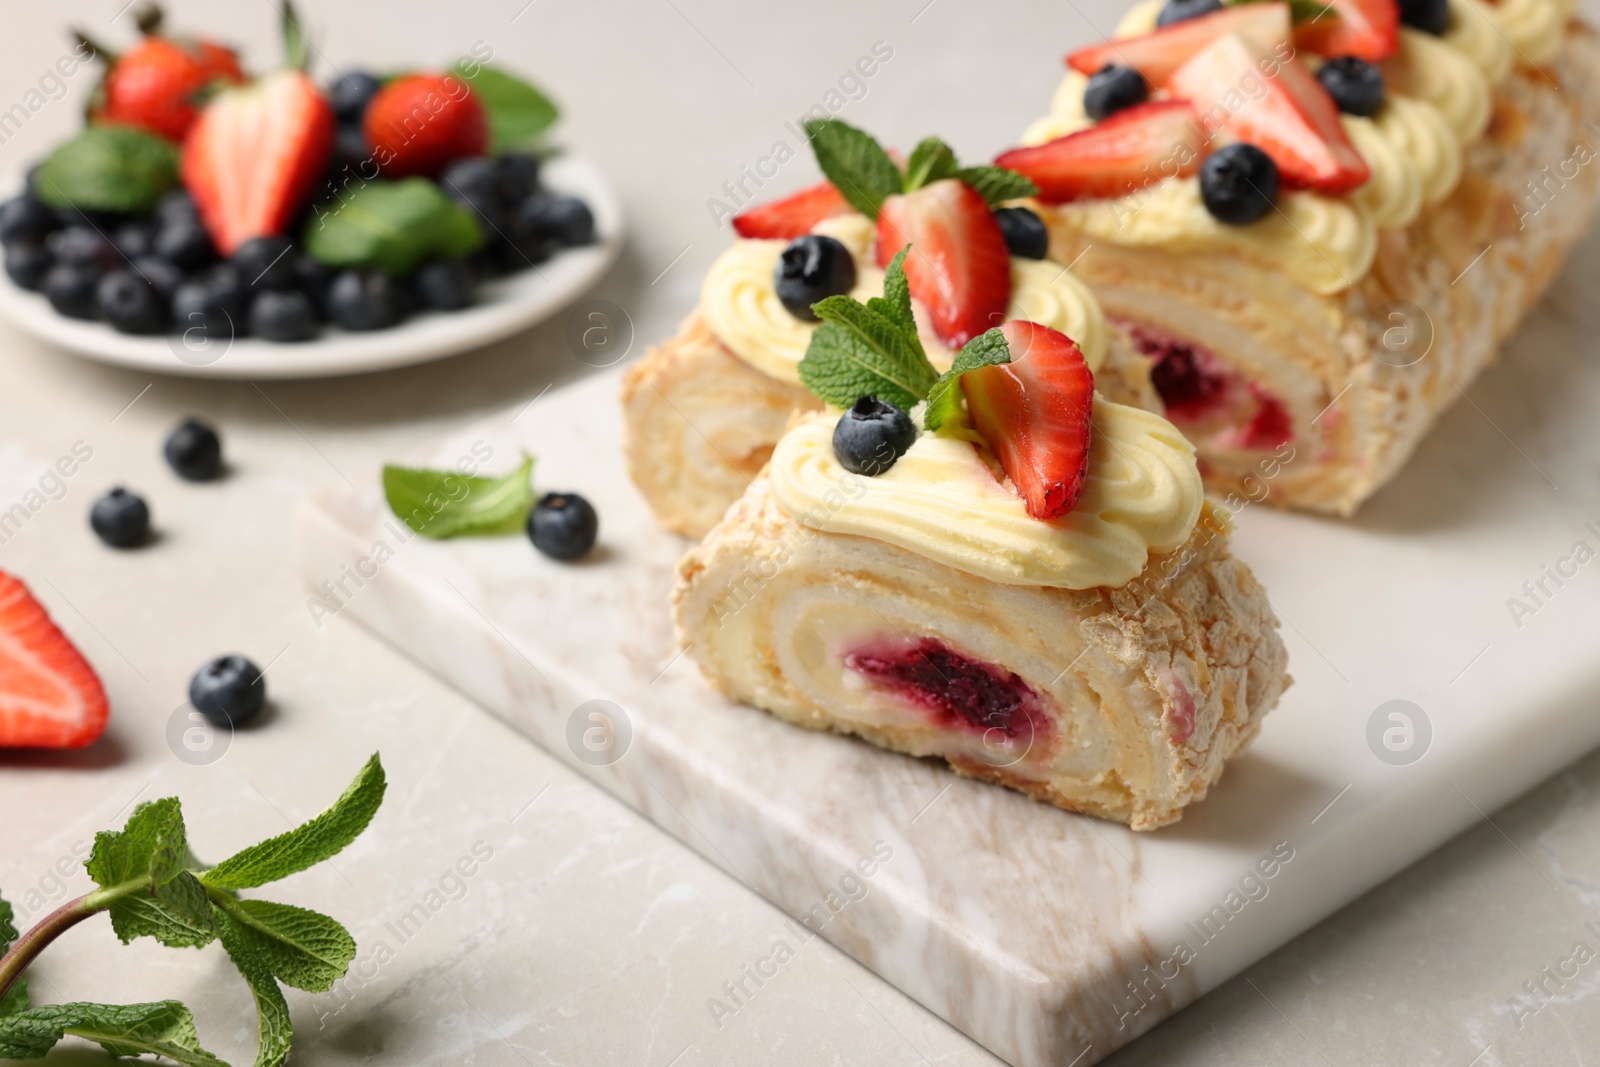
(164, 1028)
(108, 168)
(895, 303)
(930, 161)
(16, 999)
(518, 112)
(152, 845)
(440, 504)
(272, 1012)
(869, 349)
(855, 163)
(391, 226)
(305, 949)
(177, 915)
(151, 841)
(944, 399)
(309, 843)
(997, 184)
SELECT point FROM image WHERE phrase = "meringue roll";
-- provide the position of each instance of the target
(1321, 341)
(1107, 661)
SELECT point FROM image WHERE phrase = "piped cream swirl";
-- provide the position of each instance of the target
(942, 500)
(739, 301)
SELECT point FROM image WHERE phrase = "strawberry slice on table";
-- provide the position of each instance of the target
(49, 695)
(1129, 150)
(959, 265)
(1292, 119)
(1156, 55)
(1034, 413)
(254, 157)
(793, 216)
(1366, 29)
(419, 123)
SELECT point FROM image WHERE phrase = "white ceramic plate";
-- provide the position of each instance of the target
(506, 306)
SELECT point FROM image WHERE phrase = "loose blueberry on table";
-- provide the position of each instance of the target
(223, 214)
(228, 691)
(563, 525)
(121, 519)
(194, 451)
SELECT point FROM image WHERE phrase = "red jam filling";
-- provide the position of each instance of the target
(958, 691)
(1208, 400)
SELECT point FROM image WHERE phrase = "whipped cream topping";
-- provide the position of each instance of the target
(944, 500)
(740, 305)
(1440, 99)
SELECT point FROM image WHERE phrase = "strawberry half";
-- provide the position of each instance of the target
(419, 123)
(959, 265)
(1292, 119)
(1034, 412)
(1366, 29)
(254, 157)
(793, 216)
(1156, 55)
(49, 695)
(1131, 149)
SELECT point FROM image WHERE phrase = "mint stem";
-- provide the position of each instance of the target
(30, 944)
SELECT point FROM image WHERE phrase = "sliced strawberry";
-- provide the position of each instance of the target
(1291, 118)
(255, 155)
(1034, 413)
(793, 216)
(49, 695)
(1366, 29)
(1156, 55)
(1131, 149)
(958, 265)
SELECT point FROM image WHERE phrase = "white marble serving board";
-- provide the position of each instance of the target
(1051, 938)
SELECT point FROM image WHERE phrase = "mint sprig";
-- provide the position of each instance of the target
(873, 349)
(440, 504)
(866, 175)
(150, 885)
(517, 111)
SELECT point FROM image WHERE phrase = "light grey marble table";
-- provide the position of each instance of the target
(589, 936)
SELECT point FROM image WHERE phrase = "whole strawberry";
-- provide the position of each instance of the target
(418, 123)
(258, 150)
(156, 84)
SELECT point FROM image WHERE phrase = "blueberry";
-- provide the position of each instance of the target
(511, 254)
(27, 263)
(266, 263)
(871, 436)
(564, 219)
(185, 242)
(70, 290)
(1239, 184)
(90, 218)
(1179, 10)
(204, 310)
(1355, 85)
(445, 284)
(351, 154)
(360, 300)
(162, 275)
(129, 303)
(229, 691)
(120, 519)
(350, 94)
(518, 176)
(563, 525)
(485, 206)
(23, 218)
(176, 206)
(811, 268)
(284, 317)
(314, 279)
(1112, 89)
(1429, 16)
(475, 176)
(1024, 232)
(83, 246)
(134, 239)
(194, 451)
